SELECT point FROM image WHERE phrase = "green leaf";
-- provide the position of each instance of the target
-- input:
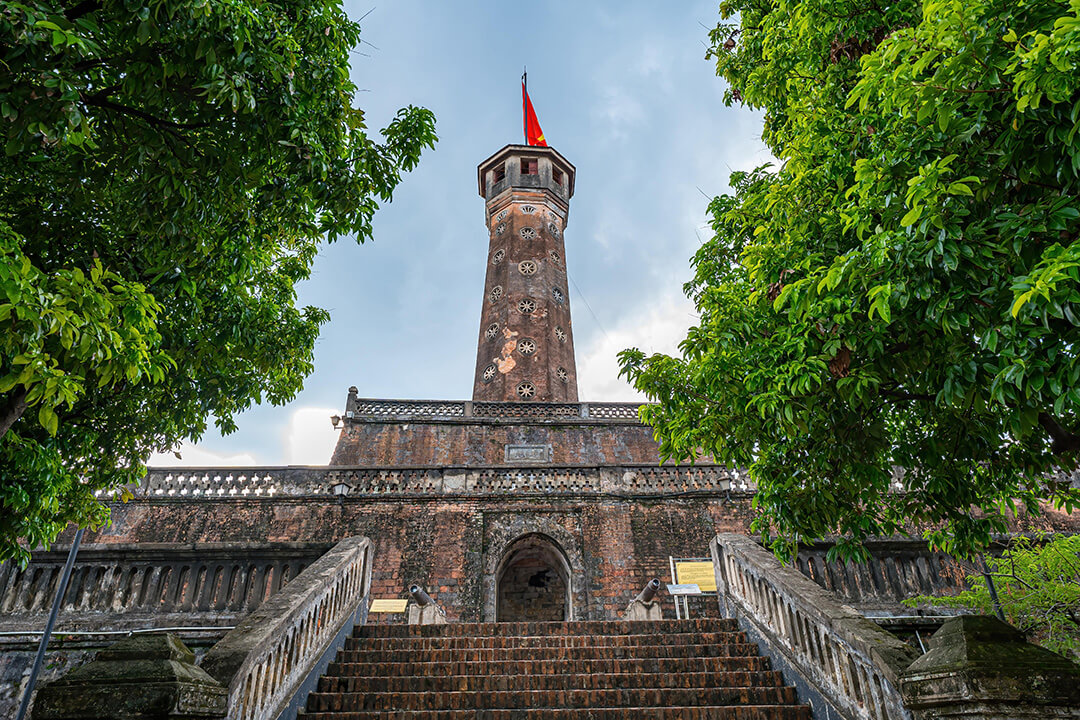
(48, 419)
(912, 216)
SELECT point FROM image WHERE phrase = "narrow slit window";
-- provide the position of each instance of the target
(556, 176)
(500, 174)
(529, 166)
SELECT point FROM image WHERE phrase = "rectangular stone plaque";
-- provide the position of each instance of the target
(684, 589)
(388, 605)
(528, 453)
(699, 573)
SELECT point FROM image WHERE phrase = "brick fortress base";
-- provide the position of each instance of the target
(501, 510)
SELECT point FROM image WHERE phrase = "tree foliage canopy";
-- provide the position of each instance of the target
(903, 290)
(1038, 590)
(170, 168)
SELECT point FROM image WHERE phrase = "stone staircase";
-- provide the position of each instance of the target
(689, 669)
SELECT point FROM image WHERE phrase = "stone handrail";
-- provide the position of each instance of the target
(380, 409)
(209, 483)
(266, 659)
(847, 659)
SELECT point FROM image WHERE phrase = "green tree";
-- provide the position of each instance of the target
(903, 290)
(170, 169)
(1038, 589)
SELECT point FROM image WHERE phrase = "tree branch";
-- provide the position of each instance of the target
(83, 8)
(1063, 440)
(99, 100)
(14, 409)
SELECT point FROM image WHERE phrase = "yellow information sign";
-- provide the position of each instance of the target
(388, 605)
(697, 573)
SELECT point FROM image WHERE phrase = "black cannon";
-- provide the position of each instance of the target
(646, 595)
(420, 597)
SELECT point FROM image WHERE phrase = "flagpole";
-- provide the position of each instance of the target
(524, 100)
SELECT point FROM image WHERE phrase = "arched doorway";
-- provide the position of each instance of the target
(533, 581)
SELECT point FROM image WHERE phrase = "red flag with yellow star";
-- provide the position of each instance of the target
(533, 134)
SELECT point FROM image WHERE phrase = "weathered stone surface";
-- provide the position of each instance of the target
(425, 615)
(145, 676)
(265, 659)
(638, 610)
(485, 442)
(846, 660)
(980, 667)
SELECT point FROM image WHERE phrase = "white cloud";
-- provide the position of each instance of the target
(195, 456)
(617, 112)
(658, 329)
(310, 437)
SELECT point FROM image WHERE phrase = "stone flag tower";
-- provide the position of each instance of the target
(526, 346)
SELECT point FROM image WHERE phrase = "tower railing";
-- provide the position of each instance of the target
(376, 409)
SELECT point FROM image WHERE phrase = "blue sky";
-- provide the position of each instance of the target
(622, 90)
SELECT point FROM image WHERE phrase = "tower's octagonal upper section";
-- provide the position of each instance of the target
(526, 166)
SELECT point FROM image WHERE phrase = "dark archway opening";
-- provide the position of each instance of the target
(533, 582)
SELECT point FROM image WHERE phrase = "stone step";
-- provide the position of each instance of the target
(588, 652)
(523, 629)
(560, 699)
(743, 712)
(581, 681)
(608, 665)
(539, 641)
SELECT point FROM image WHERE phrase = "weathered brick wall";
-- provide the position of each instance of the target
(452, 546)
(376, 443)
(532, 590)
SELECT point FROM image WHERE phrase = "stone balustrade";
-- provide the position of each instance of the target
(208, 483)
(897, 569)
(123, 587)
(846, 659)
(277, 651)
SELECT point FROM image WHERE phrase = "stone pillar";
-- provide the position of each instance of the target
(143, 677)
(979, 668)
(638, 610)
(425, 614)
